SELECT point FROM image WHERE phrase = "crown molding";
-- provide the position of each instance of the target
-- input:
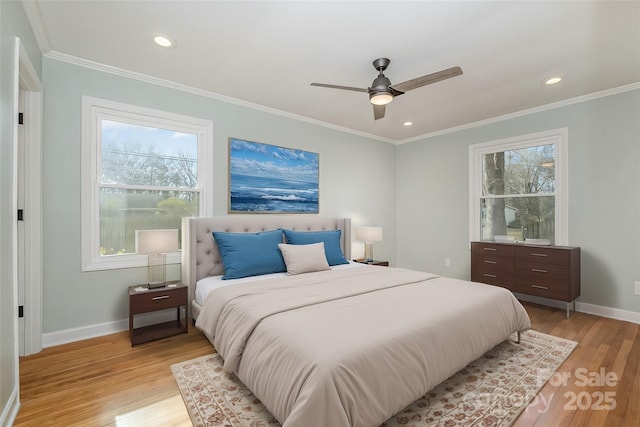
(204, 93)
(231, 100)
(33, 16)
(563, 103)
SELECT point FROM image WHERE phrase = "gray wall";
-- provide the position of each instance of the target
(13, 23)
(604, 195)
(357, 180)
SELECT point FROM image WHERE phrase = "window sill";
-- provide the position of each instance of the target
(114, 262)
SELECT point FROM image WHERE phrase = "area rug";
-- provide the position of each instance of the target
(491, 391)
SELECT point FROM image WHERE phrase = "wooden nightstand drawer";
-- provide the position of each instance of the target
(153, 300)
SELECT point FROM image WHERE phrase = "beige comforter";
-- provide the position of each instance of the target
(352, 347)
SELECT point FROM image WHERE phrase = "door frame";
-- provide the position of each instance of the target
(30, 85)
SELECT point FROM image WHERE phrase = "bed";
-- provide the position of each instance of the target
(350, 345)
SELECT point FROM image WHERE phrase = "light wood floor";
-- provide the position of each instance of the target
(105, 382)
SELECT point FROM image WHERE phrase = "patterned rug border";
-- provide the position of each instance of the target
(484, 393)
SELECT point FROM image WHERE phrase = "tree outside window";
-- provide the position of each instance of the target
(148, 180)
(518, 188)
(142, 169)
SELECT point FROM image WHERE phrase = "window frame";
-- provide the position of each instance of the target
(559, 137)
(94, 110)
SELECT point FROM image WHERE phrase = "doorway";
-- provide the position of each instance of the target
(28, 203)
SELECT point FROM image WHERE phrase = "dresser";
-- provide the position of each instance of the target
(544, 271)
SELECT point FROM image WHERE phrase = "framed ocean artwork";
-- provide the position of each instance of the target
(267, 178)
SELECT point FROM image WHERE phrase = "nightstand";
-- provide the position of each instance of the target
(143, 300)
(374, 262)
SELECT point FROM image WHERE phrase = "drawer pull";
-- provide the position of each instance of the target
(490, 262)
(539, 287)
(161, 297)
(537, 270)
(489, 249)
(490, 275)
(535, 254)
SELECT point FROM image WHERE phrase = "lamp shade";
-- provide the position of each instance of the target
(369, 234)
(156, 241)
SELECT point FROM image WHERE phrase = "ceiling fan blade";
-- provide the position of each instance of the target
(357, 89)
(395, 92)
(378, 111)
(428, 79)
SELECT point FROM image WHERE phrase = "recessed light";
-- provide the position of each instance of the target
(163, 40)
(408, 123)
(552, 80)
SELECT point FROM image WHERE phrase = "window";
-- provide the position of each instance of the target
(518, 188)
(141, 169)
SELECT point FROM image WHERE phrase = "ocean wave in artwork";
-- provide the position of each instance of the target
(267, 194)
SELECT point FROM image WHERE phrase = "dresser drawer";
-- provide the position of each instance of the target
(492, 250)
(158, 300)
(542, 288)
(542, 255)
(493, 276)
(492, 262)
(548, 273)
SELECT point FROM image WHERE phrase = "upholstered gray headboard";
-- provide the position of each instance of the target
(200, 256)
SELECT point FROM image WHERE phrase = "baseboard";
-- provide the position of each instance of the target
(612, 313)
(85, 332)
(10, 412)
(584, 307)
(92, 331)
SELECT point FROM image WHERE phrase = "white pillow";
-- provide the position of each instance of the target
(304, 258)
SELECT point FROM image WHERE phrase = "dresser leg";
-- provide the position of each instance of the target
(571, 305)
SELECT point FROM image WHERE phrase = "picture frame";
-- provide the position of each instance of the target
(270, 179)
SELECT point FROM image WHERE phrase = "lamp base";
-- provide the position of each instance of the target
(156, 285)
(368, 251)
(156, 270)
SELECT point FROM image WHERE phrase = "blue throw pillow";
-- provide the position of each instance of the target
(250, 254)
(331, 240)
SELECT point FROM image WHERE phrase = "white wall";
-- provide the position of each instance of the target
(357, 180)
(604, 195)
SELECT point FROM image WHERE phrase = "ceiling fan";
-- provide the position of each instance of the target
(382, 91)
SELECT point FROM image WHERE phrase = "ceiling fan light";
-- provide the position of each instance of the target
(381, 98)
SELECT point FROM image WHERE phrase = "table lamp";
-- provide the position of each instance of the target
(156, 244)
(368, 235)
